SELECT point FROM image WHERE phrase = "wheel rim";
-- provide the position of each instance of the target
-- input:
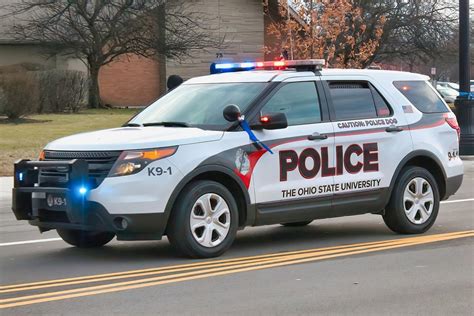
(418, 200)
(210, 220)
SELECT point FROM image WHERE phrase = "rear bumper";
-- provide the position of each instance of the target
(452, 185)
(29, 202)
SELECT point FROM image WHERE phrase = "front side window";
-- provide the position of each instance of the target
(356, 100)
(200, 105)
(421, 95)
(299, 101)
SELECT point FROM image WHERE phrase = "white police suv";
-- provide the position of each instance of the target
(226, 151)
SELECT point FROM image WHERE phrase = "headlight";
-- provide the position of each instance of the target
(131, 162)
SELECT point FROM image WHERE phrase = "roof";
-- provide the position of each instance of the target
(241, 76)
(281, 75)
(374, 73)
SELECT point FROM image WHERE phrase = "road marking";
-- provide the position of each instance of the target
(457, 201)
(35, 241)
(190, 266)
(215, 272)
(211, 264)
(280, 260)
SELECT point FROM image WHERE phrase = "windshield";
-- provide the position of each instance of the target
(199, 105)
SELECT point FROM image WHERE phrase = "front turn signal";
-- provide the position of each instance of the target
(131, 162)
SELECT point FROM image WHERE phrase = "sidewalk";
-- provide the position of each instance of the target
(6, 185)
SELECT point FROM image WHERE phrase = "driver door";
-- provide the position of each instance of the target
(294, 182)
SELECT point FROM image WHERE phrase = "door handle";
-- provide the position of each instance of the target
(393, 129)
(317, 136)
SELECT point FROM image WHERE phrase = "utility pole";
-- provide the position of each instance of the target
(465, 104)
(311, 25)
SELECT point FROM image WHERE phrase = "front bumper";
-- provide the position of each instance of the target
(30, 202)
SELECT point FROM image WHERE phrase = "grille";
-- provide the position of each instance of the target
(100, 163)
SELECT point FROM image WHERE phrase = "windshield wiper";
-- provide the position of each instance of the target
(168, 124)
(132, 125)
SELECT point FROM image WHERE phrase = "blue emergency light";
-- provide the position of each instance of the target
(225, 66)
(82, 190)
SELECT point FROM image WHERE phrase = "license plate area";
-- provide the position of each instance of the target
(53, 201)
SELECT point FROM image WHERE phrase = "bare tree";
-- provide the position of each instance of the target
(99, 31)
(414, 29)
(333, 30)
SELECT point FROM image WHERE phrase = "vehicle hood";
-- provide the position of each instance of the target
(125, 138)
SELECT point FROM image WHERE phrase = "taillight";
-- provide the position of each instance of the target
(454, 124)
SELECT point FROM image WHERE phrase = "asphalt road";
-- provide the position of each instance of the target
(352, 265)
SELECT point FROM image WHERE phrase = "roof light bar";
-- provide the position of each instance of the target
(299, 65)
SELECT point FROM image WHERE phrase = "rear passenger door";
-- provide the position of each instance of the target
(370, 141)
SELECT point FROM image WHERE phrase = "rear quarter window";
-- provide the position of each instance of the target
(421, 95)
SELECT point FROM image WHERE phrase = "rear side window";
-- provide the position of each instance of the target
(421, 95)
(357, 100)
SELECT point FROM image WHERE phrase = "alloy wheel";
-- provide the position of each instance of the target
(210, 220)
(418, 200)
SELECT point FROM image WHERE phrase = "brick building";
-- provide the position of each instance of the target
(14, 53)
(136, 81)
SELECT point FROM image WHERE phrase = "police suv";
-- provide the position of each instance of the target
(222, 152)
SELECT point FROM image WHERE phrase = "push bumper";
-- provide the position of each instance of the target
(63, 206)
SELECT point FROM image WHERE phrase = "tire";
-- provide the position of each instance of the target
(409, 210)
(296, 224)
(200, 205)
(85, 239)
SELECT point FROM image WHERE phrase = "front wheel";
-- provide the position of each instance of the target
(414, 203)
(85, 239)
(204, 221)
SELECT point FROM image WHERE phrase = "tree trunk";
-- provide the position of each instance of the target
(94, 92)
(162, 74)
(161, 58)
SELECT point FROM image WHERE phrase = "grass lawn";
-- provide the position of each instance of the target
(26, 137)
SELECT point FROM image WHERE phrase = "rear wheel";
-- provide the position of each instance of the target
(85, 239)
(414, 203)
(296, 224)
(204, 221)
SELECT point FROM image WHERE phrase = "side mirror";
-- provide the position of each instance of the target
(273, 121)
(231, 113)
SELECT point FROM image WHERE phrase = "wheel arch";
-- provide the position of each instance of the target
(426, 160)
(226, 177)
